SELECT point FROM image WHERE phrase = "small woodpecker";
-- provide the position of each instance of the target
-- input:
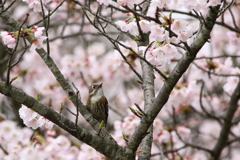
(97, 104)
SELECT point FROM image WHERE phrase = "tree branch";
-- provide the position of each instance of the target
(149, 95)
(232, 107)
(60, 78)
(101, 144)
(70, 93)
(201, 38)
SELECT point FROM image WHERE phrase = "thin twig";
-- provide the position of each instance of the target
(140, 109)
(77, 111)
(216, 74)
(14, 50)
(224, 9)
(211, 115)
(180, 138)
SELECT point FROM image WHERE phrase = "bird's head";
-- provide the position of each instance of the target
(95, 92)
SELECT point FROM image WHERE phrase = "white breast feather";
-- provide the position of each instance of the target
(97, 96)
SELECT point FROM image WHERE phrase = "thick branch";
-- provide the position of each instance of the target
(232, 107)
(148, 88)
(201, 38)
(102, 144)
(60, 78)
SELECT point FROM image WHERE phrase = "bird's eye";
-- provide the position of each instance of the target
(93, 86)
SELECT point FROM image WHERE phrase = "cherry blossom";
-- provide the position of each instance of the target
(158, 33)
(33, 119)
(161, 55)
(36, 4)
(89, 153)
(8, 39)
(190, 5)
(233, 38)
(38, 37)
(179, 25)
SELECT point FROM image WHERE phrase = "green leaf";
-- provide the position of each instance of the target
(13, 79)
(37, 97)
(101, 124)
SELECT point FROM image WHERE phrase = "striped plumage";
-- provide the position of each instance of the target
(97, 103)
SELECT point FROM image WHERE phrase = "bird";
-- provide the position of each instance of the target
(97, 104)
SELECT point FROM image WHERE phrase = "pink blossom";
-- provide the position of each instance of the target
(8, 39)
(145, 26)
(154, 5)
(235, 154)
(14, 147)
(118, 136)
(27, 114)
(234, 38)
(129, 44)
(122, 25)
(51, 133)
(157, 128)
(129, 124)
(159, 3)
(163, 137)
(122, 2)
(169, 50)
(63, 142)
(210, 131)
(130, 4)
(182, 130)
(203, 6)
(184, 35)
(158, 33)
(11, 157)
(89, 153)
(232, 81)
(29, 153)
(161, 55)
(33, 123)
(2, 154)
(132, 28)
(7, 131)
(42, 121)
(36, 4)
(38, 43)
(179, 25)
(236, 129)
(33, 119)
(190, 5)
(39, 32)
(199, 156)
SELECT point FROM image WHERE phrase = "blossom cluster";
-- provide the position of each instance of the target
(9, 39)
(161, 51)
(162, 134)
(36, 4)
(35, 32)
(33, 119)
(24, 144)
(189, 5)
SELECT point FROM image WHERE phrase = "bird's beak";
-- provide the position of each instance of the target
(98, 87)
